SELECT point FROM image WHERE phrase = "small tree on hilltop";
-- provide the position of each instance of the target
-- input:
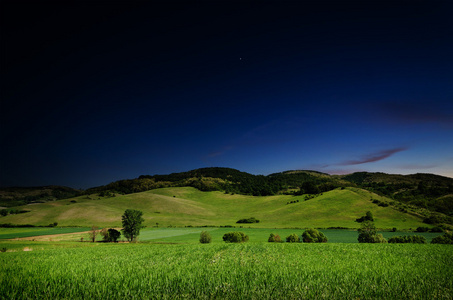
(132, 223)
(313, 236)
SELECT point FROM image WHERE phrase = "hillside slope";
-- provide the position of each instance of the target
(187, 206)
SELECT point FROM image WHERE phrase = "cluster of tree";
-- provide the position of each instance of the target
(414, 239)
(9, 225)
(132, 224)
(447, 238)
(308, 236)
(427, 229)
(4, 212)
(249, 220)
(235, 237)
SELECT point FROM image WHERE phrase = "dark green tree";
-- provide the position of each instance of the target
(114, 235)
(368, 233)
(132, 223)
(313, 236)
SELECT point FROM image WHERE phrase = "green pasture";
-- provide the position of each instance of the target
(186, 206)
(191, 235)
(11, 233)
(226, 271)
(256, 235)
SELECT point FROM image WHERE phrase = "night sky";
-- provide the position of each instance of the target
(97, 91)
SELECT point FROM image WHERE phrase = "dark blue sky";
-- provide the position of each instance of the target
(96, 91)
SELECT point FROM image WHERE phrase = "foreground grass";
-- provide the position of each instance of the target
(228, 271)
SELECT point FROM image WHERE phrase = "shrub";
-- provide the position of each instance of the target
(313, 236)
(3, 250)
(114, 235)
(292, 238)
(422, 229)
(447, 238)
(436, 229)
(414, 239)
(235, 237)
(274, 238)
(368, 217)
(205, 237)
(249, 220)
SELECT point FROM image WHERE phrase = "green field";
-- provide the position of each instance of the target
(226, 271)
(11, 233)
(186, 206)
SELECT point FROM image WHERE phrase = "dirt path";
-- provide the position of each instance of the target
(51, 237)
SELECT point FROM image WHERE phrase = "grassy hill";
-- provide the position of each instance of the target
(187, 206)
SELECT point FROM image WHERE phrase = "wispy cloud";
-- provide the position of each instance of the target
(372, 157)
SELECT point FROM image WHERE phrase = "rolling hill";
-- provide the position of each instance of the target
(187, 206)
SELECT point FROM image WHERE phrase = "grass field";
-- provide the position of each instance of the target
(11, 233)
(188, 206)
(226, 271)
(189, 235)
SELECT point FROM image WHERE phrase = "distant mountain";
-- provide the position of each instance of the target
(16, 196)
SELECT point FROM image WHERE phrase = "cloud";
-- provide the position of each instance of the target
(373, 157)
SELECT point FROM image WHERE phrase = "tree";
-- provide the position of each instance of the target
(205, 237)
(93, 233)
(368, 234)
(114, 235)
(132, 223)
(313, 236)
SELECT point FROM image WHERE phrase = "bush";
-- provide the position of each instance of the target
(274, 238)
(422, 229)
(249, 220)
(292, 238)
(447, 238)
(413, 239)
(313, 236)
(368, 217)
(436, 229)
(235, 237)
(205, 237)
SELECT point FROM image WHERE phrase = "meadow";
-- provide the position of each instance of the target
(226, 271)
(187, 206)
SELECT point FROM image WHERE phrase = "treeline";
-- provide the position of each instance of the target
(232, 181)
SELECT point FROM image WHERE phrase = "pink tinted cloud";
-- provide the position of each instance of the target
(373, 157)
